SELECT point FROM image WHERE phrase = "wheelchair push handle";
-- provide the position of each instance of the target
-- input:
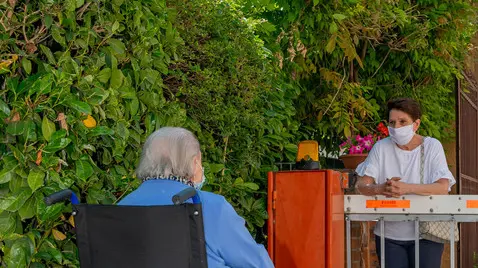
(60, 197)
(184, 195)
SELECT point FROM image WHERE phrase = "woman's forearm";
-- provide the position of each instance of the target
(370, 189)
(428, 189)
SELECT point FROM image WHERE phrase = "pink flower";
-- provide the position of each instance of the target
(367, 144)
(356, 149)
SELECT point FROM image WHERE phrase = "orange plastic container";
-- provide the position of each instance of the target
(306, 219)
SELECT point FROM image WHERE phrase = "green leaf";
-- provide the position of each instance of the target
(80, 106)
(104, 75)
(4, 108)
(6, 202)
(48, 21)
(339, 17)
(20, 253)
(133, 106)
(117, 46)
(18, 182)
(106, 157)
(101, 130)
(16, 128)
(7, 174)
(58, 135)
(115, 26)
(36, 265)
(48, 213)
(48, 128)
(36, 179)
(251, 186)
(55, 254)
(238, 181)
(215, 168)
(79, 3)
(30, 130)
(48, 54)
(28, 209)
(20, 198)
(7, 223)
(121, 170)
(118, 2)
(84, 170)
(27, 65)
(121, 130)
(17, 153)
(333, 28)
(41, 86)
(81, 43)
(116, 79)
(291, 147)
(57, 36)
(56, 144)
(70, 5)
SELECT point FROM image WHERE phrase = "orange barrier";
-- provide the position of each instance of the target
(306, 218)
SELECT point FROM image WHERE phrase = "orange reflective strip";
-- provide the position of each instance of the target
(388, 204)
(471, 203)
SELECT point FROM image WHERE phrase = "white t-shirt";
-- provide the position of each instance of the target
(387, 160)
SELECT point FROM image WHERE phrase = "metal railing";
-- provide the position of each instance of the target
(436, 208)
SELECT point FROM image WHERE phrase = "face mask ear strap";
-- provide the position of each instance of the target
(417, 124)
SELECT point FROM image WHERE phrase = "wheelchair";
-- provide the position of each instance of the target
(117, 236)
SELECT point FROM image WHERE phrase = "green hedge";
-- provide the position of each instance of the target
(133, 66)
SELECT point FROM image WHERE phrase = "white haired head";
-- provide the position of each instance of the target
(169, 151)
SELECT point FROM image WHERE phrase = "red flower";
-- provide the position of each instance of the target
(383, 129)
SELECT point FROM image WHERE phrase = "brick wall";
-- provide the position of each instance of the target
(363, 245)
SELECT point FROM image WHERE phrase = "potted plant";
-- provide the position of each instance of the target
(356, 148)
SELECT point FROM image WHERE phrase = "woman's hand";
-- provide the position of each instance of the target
(395, 188)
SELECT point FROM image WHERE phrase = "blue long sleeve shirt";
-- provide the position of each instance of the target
(228, 242)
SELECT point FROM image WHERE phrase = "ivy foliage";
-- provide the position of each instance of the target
(85, 82)
(350, 57)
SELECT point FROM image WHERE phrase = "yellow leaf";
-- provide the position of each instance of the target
(71, 220)
(89, 122)
(58, 235)
(5, 63)
(347, 131)
(331, 44)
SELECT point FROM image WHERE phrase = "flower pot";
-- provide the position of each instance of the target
(351, 161)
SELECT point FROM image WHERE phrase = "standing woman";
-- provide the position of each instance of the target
(392, 168)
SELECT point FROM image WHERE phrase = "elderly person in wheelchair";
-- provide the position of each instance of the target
(171, 162)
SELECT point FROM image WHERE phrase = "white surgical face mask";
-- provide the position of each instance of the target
(402, 135)
(199, 185)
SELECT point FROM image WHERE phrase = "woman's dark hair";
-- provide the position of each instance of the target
(406, 105)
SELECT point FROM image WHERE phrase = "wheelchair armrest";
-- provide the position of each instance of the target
(61, 196)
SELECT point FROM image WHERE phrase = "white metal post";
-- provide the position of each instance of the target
(349, 247)
(417, 242)
(452, 243)
(382, 243)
